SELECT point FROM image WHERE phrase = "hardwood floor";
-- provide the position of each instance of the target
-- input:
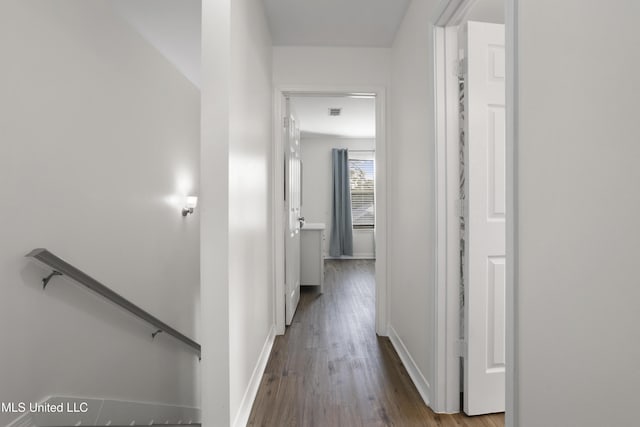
(331, 369)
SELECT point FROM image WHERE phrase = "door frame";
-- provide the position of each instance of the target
(448, 349)
(277, 189)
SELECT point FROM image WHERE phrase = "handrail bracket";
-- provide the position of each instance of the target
(45, 280)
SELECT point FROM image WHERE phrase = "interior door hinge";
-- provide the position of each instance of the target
(285, 122)
(462, 68)
(461, 207)
(462, 350)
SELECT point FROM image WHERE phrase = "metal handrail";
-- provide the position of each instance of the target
(61, 267)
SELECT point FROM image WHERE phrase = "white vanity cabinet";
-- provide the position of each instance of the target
(311, 257)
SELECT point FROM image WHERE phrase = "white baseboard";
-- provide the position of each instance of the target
(410, 365)
(242, 416)
(78, 411)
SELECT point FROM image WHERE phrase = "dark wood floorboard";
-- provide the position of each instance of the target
(331, 369)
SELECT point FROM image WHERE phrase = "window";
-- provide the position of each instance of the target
(362, 177)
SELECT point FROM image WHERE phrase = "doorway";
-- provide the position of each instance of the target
(366, 145)
(455, 344)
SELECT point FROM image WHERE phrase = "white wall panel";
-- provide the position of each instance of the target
(578, 208)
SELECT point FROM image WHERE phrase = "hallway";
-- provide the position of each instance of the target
(330, 368)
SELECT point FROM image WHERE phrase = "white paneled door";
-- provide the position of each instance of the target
(293, 193)
(484, 261)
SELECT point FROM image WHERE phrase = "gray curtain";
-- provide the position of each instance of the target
(341, 242)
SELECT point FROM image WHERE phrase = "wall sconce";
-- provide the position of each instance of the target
(190, 205)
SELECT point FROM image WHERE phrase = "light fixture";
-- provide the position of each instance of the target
(190, 205)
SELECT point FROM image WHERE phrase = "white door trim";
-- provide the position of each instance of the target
(512, 135)
(446, 373)
(381, 308)
(447, 367)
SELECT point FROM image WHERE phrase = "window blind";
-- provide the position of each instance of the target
(362, 179)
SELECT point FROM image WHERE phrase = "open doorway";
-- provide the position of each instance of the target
(346, 122)
(334, 138)
(473, 208)
(321, 121)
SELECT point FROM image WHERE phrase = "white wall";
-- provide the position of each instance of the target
(411, 190)
(250, 140)
(331, 66)
(317, 188)
(578, 209)
(100, 138)
(236, 252)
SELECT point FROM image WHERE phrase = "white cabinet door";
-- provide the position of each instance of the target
(484, 367)
(312, 260)
(292, 206)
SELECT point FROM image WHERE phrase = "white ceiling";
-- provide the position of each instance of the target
(358, 118)
(173, 27)
(371, 23)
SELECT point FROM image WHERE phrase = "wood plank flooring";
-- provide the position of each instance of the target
(331, 369)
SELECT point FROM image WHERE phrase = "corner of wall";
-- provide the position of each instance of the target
(242, 416)
(421, 383)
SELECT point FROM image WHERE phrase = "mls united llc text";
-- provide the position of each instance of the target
(63, 407)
